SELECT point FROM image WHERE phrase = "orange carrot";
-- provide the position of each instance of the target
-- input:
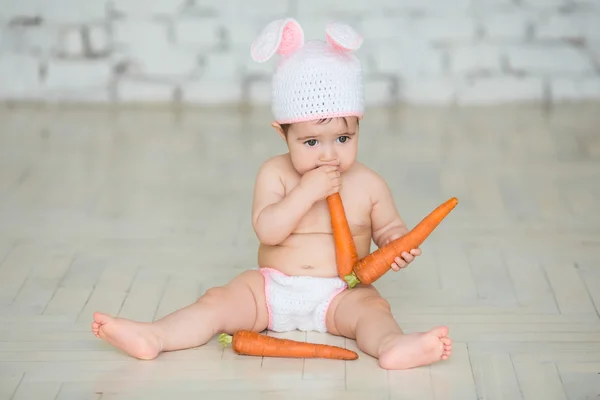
(256, 344)
(345, 249)
(376, 264)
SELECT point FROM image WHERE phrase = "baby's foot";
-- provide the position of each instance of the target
(134, 338)
(416, 349)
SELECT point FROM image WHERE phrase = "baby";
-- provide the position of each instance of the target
(317, 103)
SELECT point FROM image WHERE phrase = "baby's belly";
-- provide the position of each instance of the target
(307, 254)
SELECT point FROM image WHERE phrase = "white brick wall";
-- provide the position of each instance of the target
(415, 51)
(19, 77)
(500, 90)
(549, 59)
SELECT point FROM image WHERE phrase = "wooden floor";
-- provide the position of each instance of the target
(138, 212)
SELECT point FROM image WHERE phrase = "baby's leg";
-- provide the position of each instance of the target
(237, 305)
(362, 314)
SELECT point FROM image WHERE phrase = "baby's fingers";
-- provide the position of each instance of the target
(407, 257)
(400, 262)
(415, 252)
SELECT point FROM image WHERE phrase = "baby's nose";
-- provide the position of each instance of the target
(328, 154)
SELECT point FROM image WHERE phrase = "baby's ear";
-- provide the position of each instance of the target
(343, 37)
(283, 36)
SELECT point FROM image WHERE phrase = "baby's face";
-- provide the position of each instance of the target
(315, 143)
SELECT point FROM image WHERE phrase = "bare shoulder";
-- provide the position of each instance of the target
(365, 176)
(278, 165)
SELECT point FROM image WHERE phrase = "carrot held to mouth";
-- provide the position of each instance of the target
(345, 249)
(372, 267)
(256, 344)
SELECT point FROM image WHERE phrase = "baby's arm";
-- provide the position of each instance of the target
(386, 222)
(387, 225)
(274, 214)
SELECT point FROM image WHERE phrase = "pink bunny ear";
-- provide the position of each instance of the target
(283, 36)
(343, 37)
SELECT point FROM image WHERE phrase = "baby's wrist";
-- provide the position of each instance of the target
(305, 195)
(302, 198)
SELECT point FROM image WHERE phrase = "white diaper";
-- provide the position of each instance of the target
(299, 302)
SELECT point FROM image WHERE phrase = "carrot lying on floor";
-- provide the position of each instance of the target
(345, 249)
(256, 344)
(376, 264)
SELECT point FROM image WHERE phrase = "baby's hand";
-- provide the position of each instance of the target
(407, 258)
(321, 182)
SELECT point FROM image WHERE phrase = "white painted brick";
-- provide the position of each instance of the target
(67, 11)
(574, 88)
(68, 74)
(147, 8)
(427, 91)
(260, 92)
(73, 11)
(591, 24)
(490, 7)
(549, 59)
(201, 32)
(545, 3)
(71, 42)
(386, 27)
(594, 50)
(500, 90)
(129, 90)
(338, 8)
(423, 29)
(251, 9)
(171, 62)
(10, 9)
(93, 94)
(506, 24)
(431, 7)
(99, 41)
(559, 26)
(221, 66)
(39, 40)
(242, 31)
(474, 58)
(213, 91)
(134, 33)
(19, 77)
(378, 91)
(447, 28)
(409, 60)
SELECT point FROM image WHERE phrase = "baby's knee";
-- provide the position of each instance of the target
(214, 297)
(376, 302)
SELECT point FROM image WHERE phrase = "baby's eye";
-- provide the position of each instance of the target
(343, 139)
(311, 142)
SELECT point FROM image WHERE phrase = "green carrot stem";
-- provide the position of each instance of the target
(352, 280)
(225, 339)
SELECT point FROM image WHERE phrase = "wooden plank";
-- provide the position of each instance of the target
(453, 378)
(110, 292)
(529, 280)
(495, 376)
(490, 275)
(145, 295)
(9, 382)
(569, 290)
(15, 269)
(538, 380)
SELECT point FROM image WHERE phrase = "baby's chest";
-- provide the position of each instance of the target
(318, 217)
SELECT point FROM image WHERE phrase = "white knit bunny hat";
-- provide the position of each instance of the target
(313, 80)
